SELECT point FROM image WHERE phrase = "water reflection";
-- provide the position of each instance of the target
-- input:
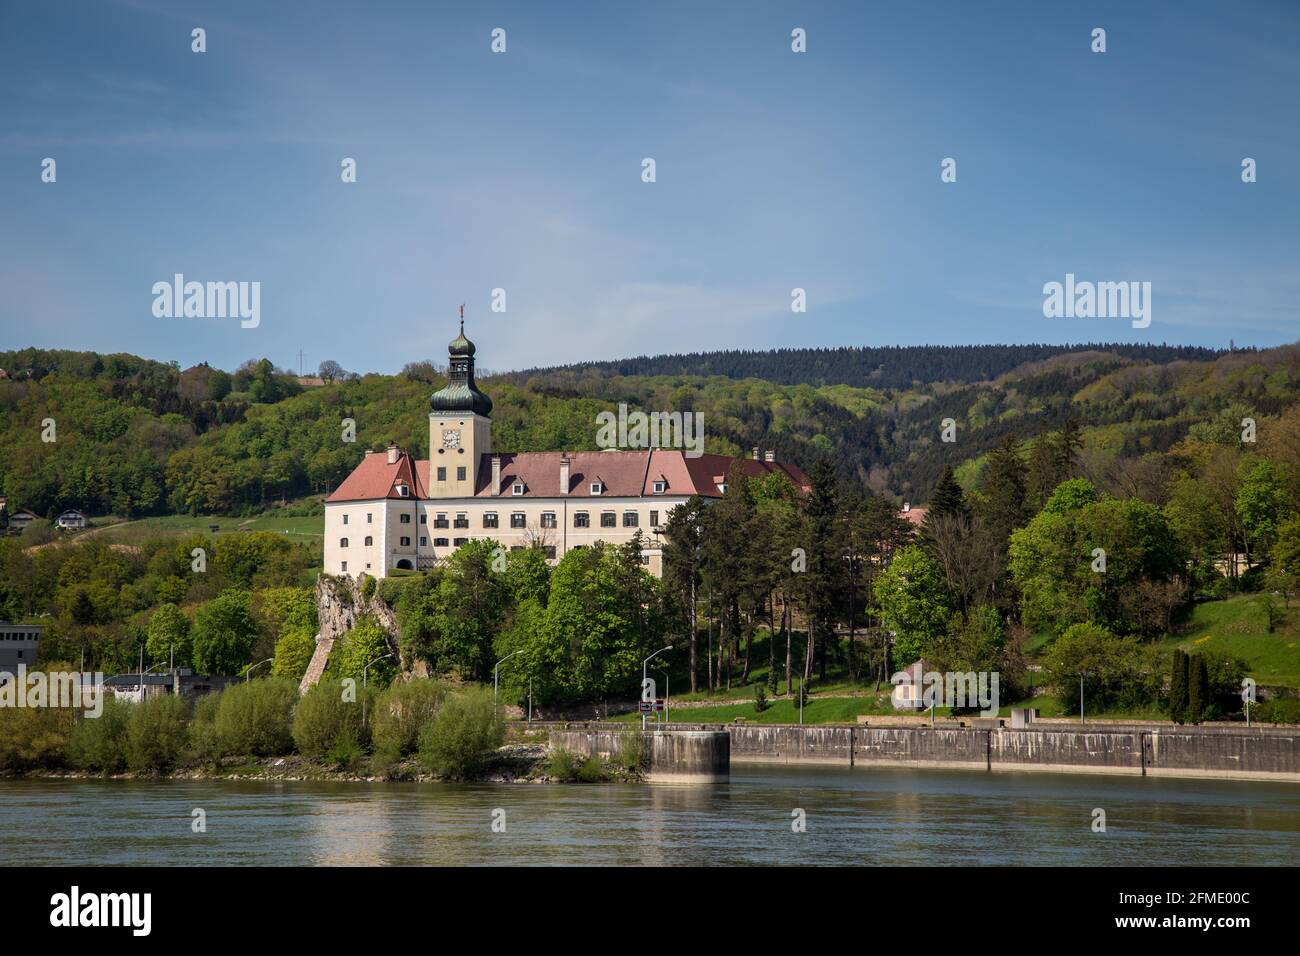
(863, 816)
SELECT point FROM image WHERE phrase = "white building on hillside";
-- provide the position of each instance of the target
(394, 512)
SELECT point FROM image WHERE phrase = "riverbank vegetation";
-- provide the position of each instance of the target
(422, 727)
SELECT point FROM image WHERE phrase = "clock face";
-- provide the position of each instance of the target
(450, 437)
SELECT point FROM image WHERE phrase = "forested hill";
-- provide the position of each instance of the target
(866, 367)
(133, 436)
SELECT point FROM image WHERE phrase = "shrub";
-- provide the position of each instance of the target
(400, 713)
(205, 745)
(256, 717)
(633, 753)
(323, 717)
(1279, 710)
(458, 741)
(568, 767)
(99, 743)
(760, 699)
(156, 732)
(35, 738)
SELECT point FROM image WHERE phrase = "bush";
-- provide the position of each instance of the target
(99, 743)
(458, 741)
(568, 767)
(760, 699)
(205, 745)
(156, 732)
(35, 738)
(255, 718)
(323, 718)
(1279, 710)
(400, 713)
(633, 753)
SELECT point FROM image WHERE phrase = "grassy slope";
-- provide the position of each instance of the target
(1237, 626)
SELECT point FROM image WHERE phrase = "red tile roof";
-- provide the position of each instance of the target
(623, 474)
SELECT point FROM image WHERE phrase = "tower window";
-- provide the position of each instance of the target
(345, 519)
(405, 519)
(406, 542)
(343, 542)
(460, 473)
(370, 542)
(442, 474)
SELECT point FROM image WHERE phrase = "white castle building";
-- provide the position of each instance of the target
(396, 513)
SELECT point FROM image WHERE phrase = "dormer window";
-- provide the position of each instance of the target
(403, 491)
(517, 488)
(722, 487)
(597, 487)
(660, 487)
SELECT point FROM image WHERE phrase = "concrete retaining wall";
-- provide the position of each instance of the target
(677, 756)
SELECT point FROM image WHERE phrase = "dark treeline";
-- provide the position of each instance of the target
(891, 366)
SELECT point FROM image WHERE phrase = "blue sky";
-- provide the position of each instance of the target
(522, 171)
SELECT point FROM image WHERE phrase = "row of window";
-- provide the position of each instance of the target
(581, 519)
(20, 636)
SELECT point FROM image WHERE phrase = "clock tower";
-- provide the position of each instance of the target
(460, 425)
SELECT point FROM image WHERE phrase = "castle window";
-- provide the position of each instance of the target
(345, 519)
(517, 488)
(550, 551)
(597, 487)
(406, 542)
(343, 566)
(459, 541)
(661, 487)
(424, 542)
(343, 542)
(461, 520)
(490, 520)
(369, 541)
(403, 491)
(548, 519)
(460, 473)
(654, 519)
(440, 542)
(424, 519)
(581, 519)
(442, 474)
(629, 519)
(370, 518)
(608, 519)
(405, 519)
(441, 521)
(645, 559)
(517, 520)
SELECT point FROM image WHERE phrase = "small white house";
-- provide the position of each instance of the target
(71, 520)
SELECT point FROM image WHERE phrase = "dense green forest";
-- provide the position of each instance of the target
(134, 437)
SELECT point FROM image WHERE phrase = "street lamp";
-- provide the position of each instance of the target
(365, 677)
(496, 683)
(249, 669)
(643, 675)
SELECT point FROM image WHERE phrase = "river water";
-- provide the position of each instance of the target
(871, 816)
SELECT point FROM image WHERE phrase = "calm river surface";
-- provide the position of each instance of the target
(854, 816)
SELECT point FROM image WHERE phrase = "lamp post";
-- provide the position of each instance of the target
(249, 669)
(496, 684)
(365, 678)
(643, 674)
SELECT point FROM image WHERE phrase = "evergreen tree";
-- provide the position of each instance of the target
(1198, 689)
(1178, 690)
(948, 498)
